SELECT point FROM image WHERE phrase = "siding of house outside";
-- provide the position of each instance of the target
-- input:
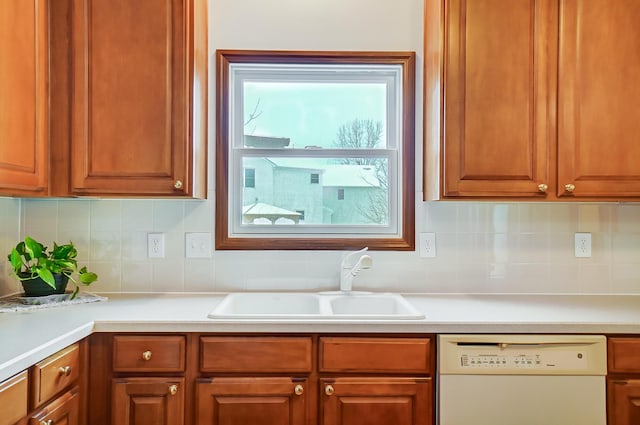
(349, 210)
(290, 188)
(295, 192)
(264, 189)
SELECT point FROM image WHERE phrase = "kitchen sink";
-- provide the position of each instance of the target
(267, 304)
(316, 306)
(373, 306)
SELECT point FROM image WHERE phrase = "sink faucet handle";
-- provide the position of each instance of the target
(350, 268)
(346, 259)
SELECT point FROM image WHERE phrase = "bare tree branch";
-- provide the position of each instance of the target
(254, 114)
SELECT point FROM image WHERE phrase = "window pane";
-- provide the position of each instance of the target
(249, 177)
(349, 191)
(315, 114)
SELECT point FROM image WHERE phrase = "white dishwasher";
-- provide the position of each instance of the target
(521, 380)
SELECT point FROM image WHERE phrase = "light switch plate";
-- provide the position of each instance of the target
(198, 245)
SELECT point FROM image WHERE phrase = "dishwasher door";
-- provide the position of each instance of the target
(521, 380)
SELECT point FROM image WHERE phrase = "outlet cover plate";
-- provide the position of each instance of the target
(155, 245)
(427, 242)
(583, 245)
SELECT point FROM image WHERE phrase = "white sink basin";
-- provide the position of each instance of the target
(374, 306)
(324, 306)
(277, 305)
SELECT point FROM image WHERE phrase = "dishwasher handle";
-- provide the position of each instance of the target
(505, 345)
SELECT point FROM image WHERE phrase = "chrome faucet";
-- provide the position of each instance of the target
(348, 270)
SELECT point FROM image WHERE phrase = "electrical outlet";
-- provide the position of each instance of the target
(155, 245)
(427, 245)
(198, 245)
(583, 245)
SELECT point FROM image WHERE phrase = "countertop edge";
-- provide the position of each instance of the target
(31, 337)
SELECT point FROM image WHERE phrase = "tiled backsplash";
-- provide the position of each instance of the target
(481, 247)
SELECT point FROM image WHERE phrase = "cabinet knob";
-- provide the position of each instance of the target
(542, 187)
(569, 187)
(328, 390)
(49, 422)
(178, 184)
(173, 389)
(146, 355)
(64, 371)
(298, 390)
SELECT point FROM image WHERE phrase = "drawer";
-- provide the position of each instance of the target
(13, 399)
(255, 354)
(55, 373)
(141, 353)
(623, 355)
(375, 355)
(63, 410)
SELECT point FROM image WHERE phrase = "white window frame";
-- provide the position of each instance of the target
(393, 69)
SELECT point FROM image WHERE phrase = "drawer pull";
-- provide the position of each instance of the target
(569, 187)
(299, 390)
(178, 184)
(328, 390)
(49, 422)
(64, 371)
(146, 356)
(173, 389)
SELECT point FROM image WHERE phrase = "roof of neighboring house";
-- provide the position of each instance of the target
(267, 210)
(266, 142)
(350, 176)
(342, 175)
(314, 164)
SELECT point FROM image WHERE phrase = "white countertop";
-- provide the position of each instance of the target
(28, 337)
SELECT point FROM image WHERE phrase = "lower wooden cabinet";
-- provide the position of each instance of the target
(376, 401)
(50, 392)
(623, 380)
(13, 398)
(151, 401)
(263, 401)
(244, 379)
(64, 410)
(624, 402)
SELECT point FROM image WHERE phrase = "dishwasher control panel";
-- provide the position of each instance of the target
(523, 359)
(522, 354)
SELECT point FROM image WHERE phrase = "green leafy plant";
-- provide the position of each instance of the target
(30, 259)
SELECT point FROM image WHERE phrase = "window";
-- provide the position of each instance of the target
(342, 120)
(249, 177)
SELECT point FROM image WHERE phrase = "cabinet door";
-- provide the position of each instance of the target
(24, 121)
(256, 401)
(133, 86)
(376, 401)
(13, 399)
(499, 96)
(623, 402)
(148, 401)
(64, 410)
(598, 106)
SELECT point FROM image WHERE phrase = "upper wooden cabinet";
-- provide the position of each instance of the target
(599, 98)
(532, 98)
(24, 102)
(138, 97)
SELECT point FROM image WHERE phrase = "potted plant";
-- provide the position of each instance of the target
(46, 272)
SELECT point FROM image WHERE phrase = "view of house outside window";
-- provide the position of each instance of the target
(315, 148)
